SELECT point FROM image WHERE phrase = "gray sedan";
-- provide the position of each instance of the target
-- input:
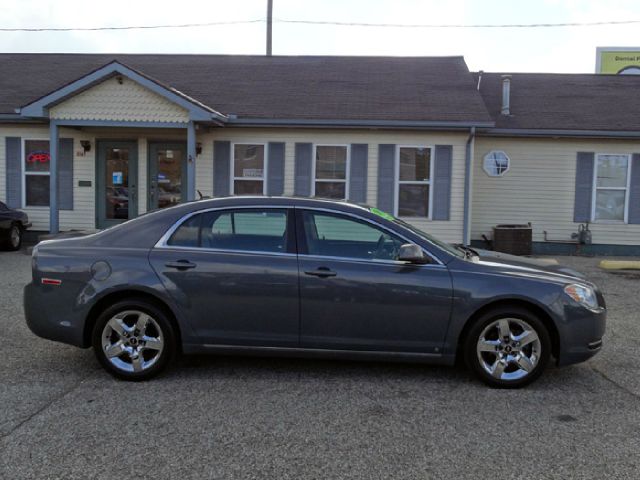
(304, 277)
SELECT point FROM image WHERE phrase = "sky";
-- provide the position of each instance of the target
(504, 49)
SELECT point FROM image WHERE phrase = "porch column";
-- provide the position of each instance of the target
(54, 223)
(191, 161)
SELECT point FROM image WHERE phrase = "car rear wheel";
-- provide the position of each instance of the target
(508, 348)
(133, 340)
(14, 239)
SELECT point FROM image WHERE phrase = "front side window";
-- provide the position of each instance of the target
(248, 169)
(335, 235)
(36, 173)
(240, 230)
(414, 181)
(330, 176)
(611, 187)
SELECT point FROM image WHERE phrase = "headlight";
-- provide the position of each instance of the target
(583, 295)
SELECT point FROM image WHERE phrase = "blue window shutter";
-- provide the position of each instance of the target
(65, 174)
(302, 182)
(275, 166)
(13, 152)
(386, 177)
(442, 182)
(358, 173)
(584, 187)
(634, 193)
(221, 168)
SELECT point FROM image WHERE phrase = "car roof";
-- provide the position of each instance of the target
(293, 201)
(146, 230)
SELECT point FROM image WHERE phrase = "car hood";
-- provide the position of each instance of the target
(541, 268)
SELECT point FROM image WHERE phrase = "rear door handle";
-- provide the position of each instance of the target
(321, 272)
(180, 265)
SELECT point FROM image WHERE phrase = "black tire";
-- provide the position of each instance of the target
(11, 244)
(162, 324)
(471, 354)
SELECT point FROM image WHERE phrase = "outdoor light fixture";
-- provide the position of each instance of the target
(86, 145)
(198, 148)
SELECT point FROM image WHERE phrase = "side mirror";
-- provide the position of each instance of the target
(412, 253)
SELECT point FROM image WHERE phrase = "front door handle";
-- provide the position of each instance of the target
(321, 272)
(180, 265)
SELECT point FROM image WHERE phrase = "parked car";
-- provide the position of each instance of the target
(305, 277)
(13, 223)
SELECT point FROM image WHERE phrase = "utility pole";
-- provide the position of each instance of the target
(269, 22)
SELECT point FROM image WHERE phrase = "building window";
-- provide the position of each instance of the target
(496, 163)
(249, 165)
(611, 187)
(414, 182)
(330, 171)
(36, 173)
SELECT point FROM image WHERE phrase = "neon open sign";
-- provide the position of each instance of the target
(38, 157)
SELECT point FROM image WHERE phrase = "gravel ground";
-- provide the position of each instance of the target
(61, 416)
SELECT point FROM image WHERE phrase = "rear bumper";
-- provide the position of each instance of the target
(581, 334)
(46, 321)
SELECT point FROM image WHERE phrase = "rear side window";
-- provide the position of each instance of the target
(240, 230)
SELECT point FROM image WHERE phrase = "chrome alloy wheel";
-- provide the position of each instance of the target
(132, 341)
(14, 237)
(508, 349)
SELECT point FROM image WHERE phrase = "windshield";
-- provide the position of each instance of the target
(420, 233)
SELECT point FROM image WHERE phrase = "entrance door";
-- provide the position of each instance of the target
(116, 182)
(167, 171)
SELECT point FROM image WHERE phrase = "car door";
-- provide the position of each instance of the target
(355, 295)
(234, 274)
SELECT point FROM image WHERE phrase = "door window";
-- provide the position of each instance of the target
(239, 230)
(169, 177)
(117, 183)
(335, 235)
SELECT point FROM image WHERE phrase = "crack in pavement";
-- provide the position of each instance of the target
(47, 404)
(610, 380)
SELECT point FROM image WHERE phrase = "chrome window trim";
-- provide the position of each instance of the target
(162, 243)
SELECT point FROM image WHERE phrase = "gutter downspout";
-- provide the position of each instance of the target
(468, 171)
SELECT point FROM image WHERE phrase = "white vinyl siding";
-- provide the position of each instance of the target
(83, 215)
(540, 188)
(447, 230)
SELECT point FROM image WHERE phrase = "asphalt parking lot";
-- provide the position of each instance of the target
(62, 416)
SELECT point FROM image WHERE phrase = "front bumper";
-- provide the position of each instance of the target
(581, 334)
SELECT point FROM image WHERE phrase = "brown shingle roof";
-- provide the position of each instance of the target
(438, 89)
(565, 101)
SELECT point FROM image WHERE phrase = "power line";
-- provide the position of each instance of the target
(459, 25)
(132, 27)
(322, 22)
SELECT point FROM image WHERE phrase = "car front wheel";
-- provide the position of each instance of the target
(508, 348)
(14, 239)
(133, 340)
